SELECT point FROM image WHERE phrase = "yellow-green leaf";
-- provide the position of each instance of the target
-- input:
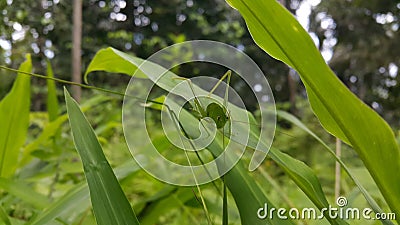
(14, 120)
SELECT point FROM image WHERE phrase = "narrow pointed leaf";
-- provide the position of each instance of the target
(77, 197)
(4, 217)
(109, 202)
(50, 130)
(52, 101)
(14, 120)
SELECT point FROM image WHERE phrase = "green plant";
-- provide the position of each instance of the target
(279, 34)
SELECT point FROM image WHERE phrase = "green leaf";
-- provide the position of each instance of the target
(368, 197)
(4, 217)
(114, 61)
(341, 113)
(155, 208)
(52, 101)
(247, 194)
(77, 196)
(24, 192)
(14, 120)
(243, 188)
(50, 130)
(109, 202)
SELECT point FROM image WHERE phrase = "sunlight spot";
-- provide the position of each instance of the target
(393, 69)
(17, 26)
(375, 105)
(4, 44)
(257, 88)
(353, 79)
(122, 4)
(48, 53)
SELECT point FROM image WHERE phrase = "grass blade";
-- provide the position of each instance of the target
(77, 196)
(225, 207)
(24, 192)
(14, 120)
(51, 129)
(52, 101)
(109, 202)
(4, 217)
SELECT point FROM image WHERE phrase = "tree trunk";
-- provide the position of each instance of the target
(76, 49)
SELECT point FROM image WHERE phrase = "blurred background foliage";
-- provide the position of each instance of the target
(359, 39)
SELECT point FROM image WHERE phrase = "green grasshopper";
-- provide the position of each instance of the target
(215, 111)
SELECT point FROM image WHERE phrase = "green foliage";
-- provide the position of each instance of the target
(14, 120)
(292, 119)
(364, 53)
(339, 111)
(52, 101)
(23, 191)
(298, 171)
(46, 183)
(109, 203)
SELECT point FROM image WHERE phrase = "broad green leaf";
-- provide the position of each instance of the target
(112, 60)
(341, 113)
(109, 202)
(52, 101)
(14, 120)
(24, 192)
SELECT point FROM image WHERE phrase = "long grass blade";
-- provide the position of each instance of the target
(4, 217)
(109, 202)
(14, 120)
(52, 101)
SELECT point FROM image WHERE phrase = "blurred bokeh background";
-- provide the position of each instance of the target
(359, 39)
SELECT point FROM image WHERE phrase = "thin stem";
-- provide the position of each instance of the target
(337, 168)
(177, 123)
(78, 84)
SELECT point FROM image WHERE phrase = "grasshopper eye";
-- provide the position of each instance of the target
(217, 113)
